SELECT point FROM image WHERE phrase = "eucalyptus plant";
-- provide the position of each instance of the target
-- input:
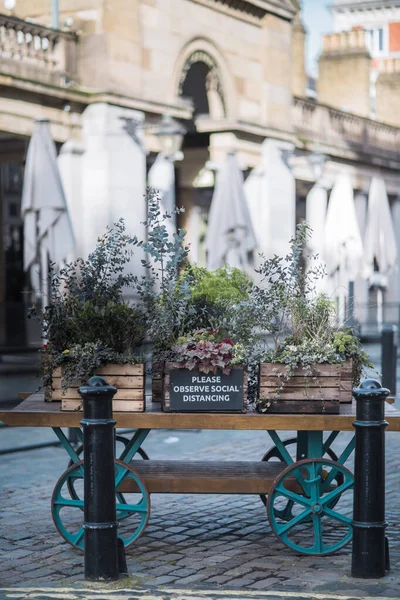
(88, 322)
(302, 323)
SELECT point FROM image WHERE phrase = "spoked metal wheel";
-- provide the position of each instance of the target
(274, 454)
(67, 512)
(314, 527)
(120, 443)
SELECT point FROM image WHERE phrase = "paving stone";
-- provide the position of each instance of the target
(264, 584)
(163, 580)
(191, 541)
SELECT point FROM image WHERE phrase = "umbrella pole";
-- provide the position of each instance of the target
(44, 268)
(379, 308)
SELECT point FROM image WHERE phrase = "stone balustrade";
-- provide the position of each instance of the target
(344, 41)
(344, 134)
(31, 51)
(388, 65)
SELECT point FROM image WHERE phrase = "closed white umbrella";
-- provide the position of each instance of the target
(380, 246)
(230, 237)
(343, 248)
(48, 231)
(162, 178)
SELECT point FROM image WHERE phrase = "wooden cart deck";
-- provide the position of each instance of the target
(34, 412)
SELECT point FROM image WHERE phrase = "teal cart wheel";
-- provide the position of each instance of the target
(275, 455)
(119, 439)
(314, 528)
(67, 512)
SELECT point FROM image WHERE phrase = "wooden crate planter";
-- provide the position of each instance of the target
(187, 390)
(129, 379)
(321, 392)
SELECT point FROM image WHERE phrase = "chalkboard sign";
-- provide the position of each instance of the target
(194, 391)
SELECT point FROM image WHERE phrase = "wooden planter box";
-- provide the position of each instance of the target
(321, 392)
(129, 379)
(187, 390)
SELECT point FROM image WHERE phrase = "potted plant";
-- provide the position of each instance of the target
(206, 373)
(185, 304)
(91, 329)
(313, 364)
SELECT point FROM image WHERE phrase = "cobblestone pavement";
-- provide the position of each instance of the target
(124, 593)
(191, 541)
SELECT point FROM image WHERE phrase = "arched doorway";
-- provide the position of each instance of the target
(200, 84)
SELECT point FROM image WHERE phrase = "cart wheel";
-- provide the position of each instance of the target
(68, 520)
(79, 451)
(312, 487)
(274, 454)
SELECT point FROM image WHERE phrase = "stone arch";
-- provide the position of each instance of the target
(200, 61)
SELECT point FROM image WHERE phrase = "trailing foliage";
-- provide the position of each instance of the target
(80, 361)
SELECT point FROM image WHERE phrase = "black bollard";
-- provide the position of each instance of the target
(369, 556)
(389, 357)
(100, 520)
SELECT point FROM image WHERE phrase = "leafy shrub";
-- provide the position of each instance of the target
(302, 323)
(87, 321)
(205, 352)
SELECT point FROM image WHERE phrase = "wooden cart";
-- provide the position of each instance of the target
(300, 479)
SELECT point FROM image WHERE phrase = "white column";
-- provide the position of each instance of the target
(70, 167)
(361, 292)
(271, 195)
(113, 175)
(393, 292)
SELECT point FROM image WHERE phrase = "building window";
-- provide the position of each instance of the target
(380, 40)
(375, 41)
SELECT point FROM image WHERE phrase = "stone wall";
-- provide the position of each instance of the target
(139, 48)
(344, 72)
(388, 92)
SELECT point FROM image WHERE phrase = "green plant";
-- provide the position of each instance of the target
(205, 351)
(88, 322)
(80, 361)
(215, 296)
(181, 298)
(164, 295)
(349, 346)
(302, 323)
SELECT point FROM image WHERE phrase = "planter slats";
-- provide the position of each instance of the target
(302, 394)
(300, 382)
(311, 407)
(319, 391)
(268, 369)
(118, 405)
(122, 394)
(120, 381)
(129, 379)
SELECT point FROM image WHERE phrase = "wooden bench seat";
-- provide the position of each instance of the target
(192, 477)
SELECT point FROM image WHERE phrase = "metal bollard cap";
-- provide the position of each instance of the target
(370, 388)
(97, 386)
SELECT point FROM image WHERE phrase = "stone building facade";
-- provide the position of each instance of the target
(231, 71)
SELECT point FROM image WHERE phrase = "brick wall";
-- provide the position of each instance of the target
(394, 37)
